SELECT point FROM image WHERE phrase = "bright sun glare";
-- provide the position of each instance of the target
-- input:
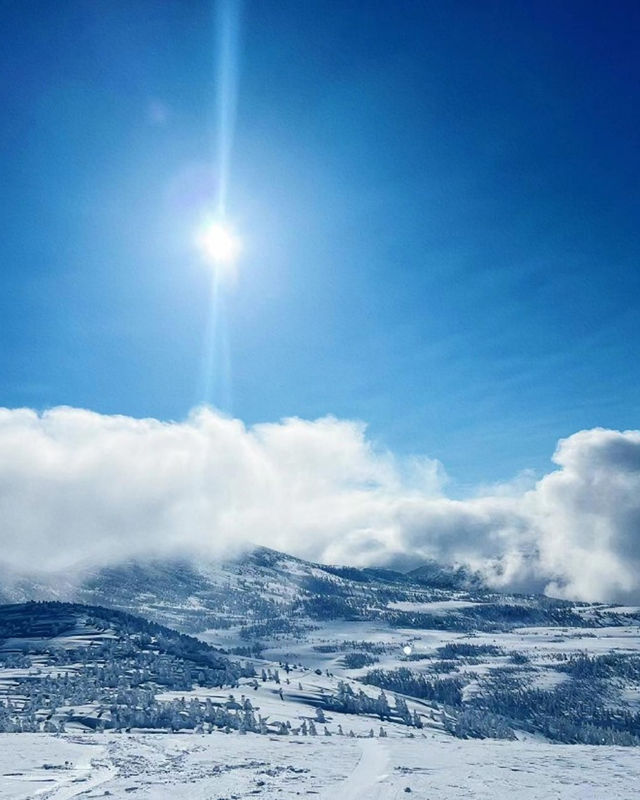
(219, 244)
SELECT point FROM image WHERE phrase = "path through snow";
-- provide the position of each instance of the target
(370, 778)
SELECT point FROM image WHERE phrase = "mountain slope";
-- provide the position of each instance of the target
(469, 661)
(263, 592)
(65, 663)
(266, 592)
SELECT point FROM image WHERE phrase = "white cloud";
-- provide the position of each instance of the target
(76, 486)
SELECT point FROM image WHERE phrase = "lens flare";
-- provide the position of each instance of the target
(216, 240)
(218, 244)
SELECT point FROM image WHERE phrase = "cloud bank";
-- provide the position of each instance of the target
(77, 487)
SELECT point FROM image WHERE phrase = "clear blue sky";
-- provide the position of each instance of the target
(439, 201)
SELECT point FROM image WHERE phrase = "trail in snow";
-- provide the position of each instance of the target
(369, 780)
(79, 786)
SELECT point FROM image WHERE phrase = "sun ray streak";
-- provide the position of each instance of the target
(217, 242)
(216, 372)
(228, 21)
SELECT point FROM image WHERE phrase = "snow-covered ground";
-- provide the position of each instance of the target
(412, 632)
(435, 607)
(323, 648)
(220, 766)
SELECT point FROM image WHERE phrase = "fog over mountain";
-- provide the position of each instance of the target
(81, 487)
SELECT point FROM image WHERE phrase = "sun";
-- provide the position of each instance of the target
(218, 244)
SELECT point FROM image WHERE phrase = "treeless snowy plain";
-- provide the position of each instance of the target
(217, 766)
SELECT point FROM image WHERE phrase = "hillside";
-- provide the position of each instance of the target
(65, 664)
(264, 593)
(469, 662)
(358, 708)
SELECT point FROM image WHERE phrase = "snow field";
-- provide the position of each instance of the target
(222, 767)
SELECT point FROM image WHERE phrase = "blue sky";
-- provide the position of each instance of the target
(439, 204)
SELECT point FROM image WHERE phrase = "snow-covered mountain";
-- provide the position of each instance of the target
(260, 583)
(266, 593)
(381, 664)
(435, 635)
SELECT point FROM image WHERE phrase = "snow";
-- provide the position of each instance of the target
(33, 766)
(208, 767)
(434, 607)
(370, 774)
(432, 764)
